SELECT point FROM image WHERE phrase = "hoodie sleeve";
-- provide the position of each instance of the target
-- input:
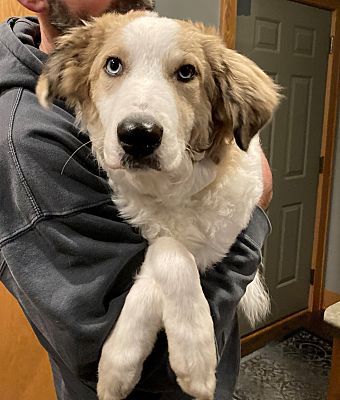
(225, 285)
(71, 276)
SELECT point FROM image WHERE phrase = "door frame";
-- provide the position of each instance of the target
(327, 152)
(228, 18)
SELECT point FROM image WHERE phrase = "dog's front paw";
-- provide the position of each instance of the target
(116, 377)
(105, 391)
(201, 390)
(192, 351)
(195, 368)
(186, 317)
(130, 342)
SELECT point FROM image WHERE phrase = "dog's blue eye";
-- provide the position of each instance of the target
(186, 73)
(114, 66)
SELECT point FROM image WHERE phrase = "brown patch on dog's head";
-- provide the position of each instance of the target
(242, 97)
(66, 71)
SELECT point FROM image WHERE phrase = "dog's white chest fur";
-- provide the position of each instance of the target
(206, 223)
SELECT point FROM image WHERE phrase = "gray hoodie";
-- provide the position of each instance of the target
(64, 252)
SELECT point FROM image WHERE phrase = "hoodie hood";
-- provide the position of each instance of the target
(21, 60)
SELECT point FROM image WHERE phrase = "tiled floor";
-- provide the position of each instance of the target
(295, 368)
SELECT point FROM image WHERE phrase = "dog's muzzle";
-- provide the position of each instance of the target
(139, 136)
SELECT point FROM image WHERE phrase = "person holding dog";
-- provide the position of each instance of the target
(66, 255)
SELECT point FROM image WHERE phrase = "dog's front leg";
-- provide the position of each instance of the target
(131, 341)
(186, 317)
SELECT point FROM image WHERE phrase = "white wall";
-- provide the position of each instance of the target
(333, 253)
(207, 11)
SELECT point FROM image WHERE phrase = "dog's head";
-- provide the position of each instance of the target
(155, 93)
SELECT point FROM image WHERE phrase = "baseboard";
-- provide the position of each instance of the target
(275, 331)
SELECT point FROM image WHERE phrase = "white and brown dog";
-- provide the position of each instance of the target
(173, 116)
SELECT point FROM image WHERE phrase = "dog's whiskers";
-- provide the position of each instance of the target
(72, 155)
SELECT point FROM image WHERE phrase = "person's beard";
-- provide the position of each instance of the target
(62, 19)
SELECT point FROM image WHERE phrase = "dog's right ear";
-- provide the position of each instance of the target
(66, 72)
(243, 97)
(248, 97)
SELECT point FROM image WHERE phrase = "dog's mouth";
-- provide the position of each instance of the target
(130, 162)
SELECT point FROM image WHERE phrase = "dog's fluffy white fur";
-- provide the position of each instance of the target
(195, 195)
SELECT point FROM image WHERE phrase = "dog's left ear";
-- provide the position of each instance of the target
(65, 74)
(244, 97)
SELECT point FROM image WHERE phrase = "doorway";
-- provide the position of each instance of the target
(290, 41)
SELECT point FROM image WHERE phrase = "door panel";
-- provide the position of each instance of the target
(290, 42)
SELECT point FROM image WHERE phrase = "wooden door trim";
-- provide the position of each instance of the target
(331, 5)
(228, 19)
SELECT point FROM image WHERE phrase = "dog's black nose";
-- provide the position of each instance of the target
(139, 136)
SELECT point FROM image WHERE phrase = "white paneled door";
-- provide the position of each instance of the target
(290, 41)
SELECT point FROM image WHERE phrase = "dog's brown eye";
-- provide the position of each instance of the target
(114, 66)
(186, 73)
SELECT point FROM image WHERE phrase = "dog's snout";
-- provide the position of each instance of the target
(139, 136)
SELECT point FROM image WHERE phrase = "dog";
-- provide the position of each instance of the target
(173, 116)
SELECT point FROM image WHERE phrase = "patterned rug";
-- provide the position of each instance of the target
(295, 368)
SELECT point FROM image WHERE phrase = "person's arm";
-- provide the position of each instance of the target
(225, 285)
(71, 275)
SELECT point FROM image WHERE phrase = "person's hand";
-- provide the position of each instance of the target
(267, 184)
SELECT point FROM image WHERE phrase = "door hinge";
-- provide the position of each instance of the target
(321, 164)
(312, 276)
(331, 44)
